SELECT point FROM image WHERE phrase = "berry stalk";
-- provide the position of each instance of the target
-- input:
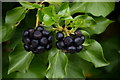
(37, 19)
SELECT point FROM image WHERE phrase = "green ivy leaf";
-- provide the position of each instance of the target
(48, 14)
(102, 24)
(74, 69)
(37, 68)
(57, 64)
(19, 59)
(94, 53)
(7, 33)
(82, 21)
(64, 10)
(78, 68)
(13, 18)
(27, 5)
(95, 8)
(94, 25)
(15, 15)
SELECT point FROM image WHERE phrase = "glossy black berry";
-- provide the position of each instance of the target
(31, 47)
(48, 47)
(59, 36)
(83, 38)
(37, 40)
(36, 52)
(25, 34)
(26, 40)
(37, 35)
(79, 48)
(70, 44)
(43, 41)
(26, 47)
(71, 49)
(31, 32)
(39, 28)
(40, 49)
(34, 43)
(46, 4)
(68, 40)
(60, 44)
(50, 39)
(78, 41)
(78, 33)
(45, 33)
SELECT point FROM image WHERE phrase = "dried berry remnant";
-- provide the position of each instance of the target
(78, 33)
(37, 40)
(70, 44)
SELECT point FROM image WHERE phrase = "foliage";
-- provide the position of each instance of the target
(55, 63)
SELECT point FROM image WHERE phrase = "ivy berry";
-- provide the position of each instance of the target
(37, 40)
(70, 44)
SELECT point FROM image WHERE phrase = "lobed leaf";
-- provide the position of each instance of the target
(64, 10)
(95, 8)
(57, 64)
(12, 19)
(94, 53)
(74, 67)
(48, 14)
(19, 59)
(27, 5)
(94, 25)
(15, 15)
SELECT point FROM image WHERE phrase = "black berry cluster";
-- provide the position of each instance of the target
(37, 40)
(70, 44)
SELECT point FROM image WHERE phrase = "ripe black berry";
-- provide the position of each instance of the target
(71, 49)
(36, 52)
(45, 32)
(37, 35)
(43, 41)
(68, 40)
(25, 34)
(50, 39)
(31, 31)
(37, 40)
(39, 28)
(40, 49)
(48, 47)
(26, 40)
(59, 36)
(26, 47)
(79, 48)
(83, 38)
(46, 4)
(70, 44)
(60, 44)
(34, 43)
(78, 41)
(31, 47)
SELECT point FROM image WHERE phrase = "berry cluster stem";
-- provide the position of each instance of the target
(66, 31)
(37, 19)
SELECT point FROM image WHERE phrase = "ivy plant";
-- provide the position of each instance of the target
(56, 63)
